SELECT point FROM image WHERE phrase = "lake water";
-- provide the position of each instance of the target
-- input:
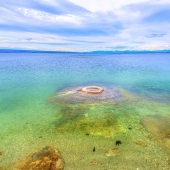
(31, 118)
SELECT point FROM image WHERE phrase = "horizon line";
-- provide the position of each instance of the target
(95, 51)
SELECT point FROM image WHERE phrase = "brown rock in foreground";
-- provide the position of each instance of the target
(44, 159)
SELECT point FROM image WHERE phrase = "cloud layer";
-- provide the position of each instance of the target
(78, 26)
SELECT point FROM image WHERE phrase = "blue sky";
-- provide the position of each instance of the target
(79, 25)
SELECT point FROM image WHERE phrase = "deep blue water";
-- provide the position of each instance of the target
(26, 73)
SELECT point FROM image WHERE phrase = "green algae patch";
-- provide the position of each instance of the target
(96, 119)
(106, 126)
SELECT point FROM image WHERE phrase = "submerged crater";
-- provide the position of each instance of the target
(92, 90)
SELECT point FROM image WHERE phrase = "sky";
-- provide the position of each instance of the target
(80, 25)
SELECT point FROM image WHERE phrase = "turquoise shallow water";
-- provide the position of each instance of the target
(29, 121)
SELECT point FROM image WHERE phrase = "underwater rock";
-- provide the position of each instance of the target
(112, 152)
(44, 159)
(118, 142)
(157, 125)
(166, 143)
(141, 143)
(137, 128)
(3, 168)
(93, 162)
(75, 95)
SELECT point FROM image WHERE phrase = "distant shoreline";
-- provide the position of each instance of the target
(90, 52)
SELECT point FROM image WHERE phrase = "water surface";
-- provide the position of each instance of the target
(29, 121)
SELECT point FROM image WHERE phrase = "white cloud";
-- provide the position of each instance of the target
(104, 5)
(49, 18)
(70, 25)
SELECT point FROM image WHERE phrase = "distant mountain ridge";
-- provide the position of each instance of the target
(129, 51)
(30, 51)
